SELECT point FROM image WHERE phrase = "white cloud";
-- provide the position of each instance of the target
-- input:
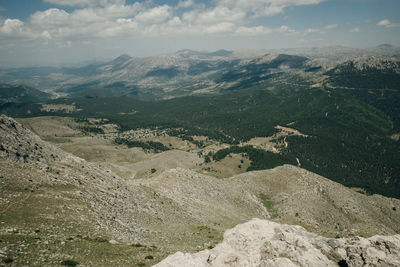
(155, 15)
(285, 28)
(46, 35)
(83, 3)
(14, 28)
(253, 31)
(185, 3)
(93, 19)
(82, 23)
(223, 27)
(11, 26)
(261, 30)
(101, 14)
(386, 23)
(216, 15)
(67, 44)
(260, 8)
(355, 30)
(175, 22)
(320, 30)
(311, 30)
(122, 27)
(52, 16)
(331, 26)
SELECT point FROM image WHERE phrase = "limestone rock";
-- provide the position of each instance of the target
(265, 243)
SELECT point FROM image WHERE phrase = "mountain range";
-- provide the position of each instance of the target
(122, 162)
(188, 72)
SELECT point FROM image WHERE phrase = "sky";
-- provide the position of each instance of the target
(56, 32)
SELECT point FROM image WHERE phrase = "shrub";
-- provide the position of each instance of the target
(71, 263)
(8, 260)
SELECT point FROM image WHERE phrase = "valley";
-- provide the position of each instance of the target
(128, 161)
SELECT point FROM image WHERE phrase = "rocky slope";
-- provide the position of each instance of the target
(369, 63)
(19, 144)
(371, 73)
(265, 243)
(56, 207)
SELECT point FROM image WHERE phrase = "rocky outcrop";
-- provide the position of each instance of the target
(19, 144)
(368, 63)
(265, 243)
(385, 64)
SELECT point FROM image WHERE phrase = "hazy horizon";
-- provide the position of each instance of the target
(242, 51)
(59, 32)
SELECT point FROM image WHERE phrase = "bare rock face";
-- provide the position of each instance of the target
(19, 144)
(265, 243)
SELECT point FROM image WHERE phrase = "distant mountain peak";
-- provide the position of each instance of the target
(185, 51)
(121, 59)
(385, 46)
(222, 53)
(124, 57)
(281, 59)
(204, 54)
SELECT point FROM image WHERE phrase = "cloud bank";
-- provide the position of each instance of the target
(91, 19)
(73, 30)
(386, 23)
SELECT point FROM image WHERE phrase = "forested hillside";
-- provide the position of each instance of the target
(348, 138)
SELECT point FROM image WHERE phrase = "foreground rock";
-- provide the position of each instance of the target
(265, 243)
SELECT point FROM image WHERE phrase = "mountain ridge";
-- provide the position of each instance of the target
(201, 67)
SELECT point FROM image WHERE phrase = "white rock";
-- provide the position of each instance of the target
(265, 243)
